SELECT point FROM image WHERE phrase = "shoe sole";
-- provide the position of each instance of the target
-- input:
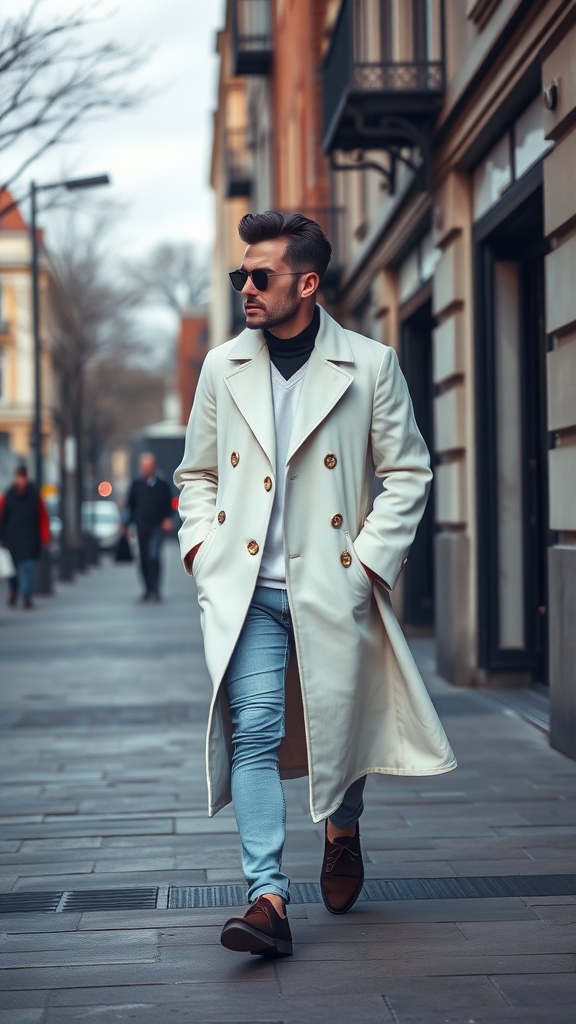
(242, 938)
(349, 905)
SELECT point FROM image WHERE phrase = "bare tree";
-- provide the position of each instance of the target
(173, 274)
(52, 79)
(120, 397)
(92, 324)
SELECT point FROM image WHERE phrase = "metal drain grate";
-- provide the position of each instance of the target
(29, 902)
(197, 897)
(80, 901)
(110, 899)
(384, 890)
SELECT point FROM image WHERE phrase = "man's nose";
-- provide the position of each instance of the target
(249, 287)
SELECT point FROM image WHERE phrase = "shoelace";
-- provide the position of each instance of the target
(334, 855)
(260, 909)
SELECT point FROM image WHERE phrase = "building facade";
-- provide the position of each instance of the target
(17, 343)
(191, 349)
(437, 143)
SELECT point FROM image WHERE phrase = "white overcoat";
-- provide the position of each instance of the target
(355, 701)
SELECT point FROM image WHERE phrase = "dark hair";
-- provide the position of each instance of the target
(307, 248)
(21, 470)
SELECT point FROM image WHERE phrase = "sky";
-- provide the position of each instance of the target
(157, 155)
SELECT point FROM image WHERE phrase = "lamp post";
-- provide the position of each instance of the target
(44, 583)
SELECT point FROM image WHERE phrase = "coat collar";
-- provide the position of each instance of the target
(331, 342)
(324, 384)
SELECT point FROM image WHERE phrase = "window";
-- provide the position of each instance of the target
(3, 324)
(3, 381)
(479, 11)
(514, 154)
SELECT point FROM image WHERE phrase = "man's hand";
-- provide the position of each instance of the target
(371, 574)
(189, 560)
(166, 524)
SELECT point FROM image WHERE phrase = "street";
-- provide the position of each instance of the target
(106, 847)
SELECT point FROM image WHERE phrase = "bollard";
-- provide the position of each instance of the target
(44, 585)
(65, 564)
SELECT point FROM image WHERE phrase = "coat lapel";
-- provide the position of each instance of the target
(249, 386)
(325, 381)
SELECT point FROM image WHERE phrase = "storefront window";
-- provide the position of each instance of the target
(492, 177)
(514, 154)
(529, 141)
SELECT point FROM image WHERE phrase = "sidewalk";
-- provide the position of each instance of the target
(102, 722)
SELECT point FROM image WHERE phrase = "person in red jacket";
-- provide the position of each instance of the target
(24, 529)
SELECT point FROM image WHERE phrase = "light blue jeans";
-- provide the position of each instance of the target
(254, 684)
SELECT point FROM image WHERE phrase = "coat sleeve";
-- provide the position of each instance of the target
(197, 474)
(402, 464)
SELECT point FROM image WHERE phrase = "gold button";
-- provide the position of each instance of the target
(234, 459)
(330, 460)
(267, 483)
(337, 521)
(221, 517)
(405, 562)
(253, 548)
(346, 559)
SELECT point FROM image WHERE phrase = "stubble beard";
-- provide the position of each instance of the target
(284, 311)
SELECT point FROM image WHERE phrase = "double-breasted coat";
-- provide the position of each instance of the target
(355, 701)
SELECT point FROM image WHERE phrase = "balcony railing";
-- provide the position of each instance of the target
(370, 104)
(251, 37)
(238, 163)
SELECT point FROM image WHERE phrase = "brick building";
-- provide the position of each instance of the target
(17, 344)
(191, 349)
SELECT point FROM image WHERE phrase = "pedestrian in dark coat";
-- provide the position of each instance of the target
(149, 507)
(24, 529)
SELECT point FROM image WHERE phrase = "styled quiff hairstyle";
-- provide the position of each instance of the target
(307, 248)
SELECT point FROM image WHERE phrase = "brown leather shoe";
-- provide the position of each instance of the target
(261, 931)
(342, 875)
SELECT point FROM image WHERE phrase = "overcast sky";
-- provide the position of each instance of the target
(158, 155)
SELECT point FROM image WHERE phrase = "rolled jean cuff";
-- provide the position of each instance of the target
(261, 889)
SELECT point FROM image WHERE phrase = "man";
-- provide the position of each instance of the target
(24, 528)
(149, 507)
(294, 565)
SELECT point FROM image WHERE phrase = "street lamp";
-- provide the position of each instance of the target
(73, 184)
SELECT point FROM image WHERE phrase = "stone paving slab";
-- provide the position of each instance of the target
(102, 786)
(428, 911)
(233, 1003)
(342, 977)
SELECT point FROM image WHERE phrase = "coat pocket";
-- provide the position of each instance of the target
(356, 563)
(203, 550)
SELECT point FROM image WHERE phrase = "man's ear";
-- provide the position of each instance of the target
(309, 285)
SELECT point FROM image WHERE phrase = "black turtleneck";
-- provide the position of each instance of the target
(289, 354)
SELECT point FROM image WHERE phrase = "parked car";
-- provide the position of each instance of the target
(102, 520)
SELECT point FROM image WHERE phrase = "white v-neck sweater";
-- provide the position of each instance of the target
(285, 395)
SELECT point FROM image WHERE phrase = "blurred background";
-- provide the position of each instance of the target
(435, 142)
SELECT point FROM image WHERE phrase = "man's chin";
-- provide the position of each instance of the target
(255, 318)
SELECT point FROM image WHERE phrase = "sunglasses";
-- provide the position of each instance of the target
(259, 278)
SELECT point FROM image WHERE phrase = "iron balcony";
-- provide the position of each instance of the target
(251, 37)
(375, 104)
